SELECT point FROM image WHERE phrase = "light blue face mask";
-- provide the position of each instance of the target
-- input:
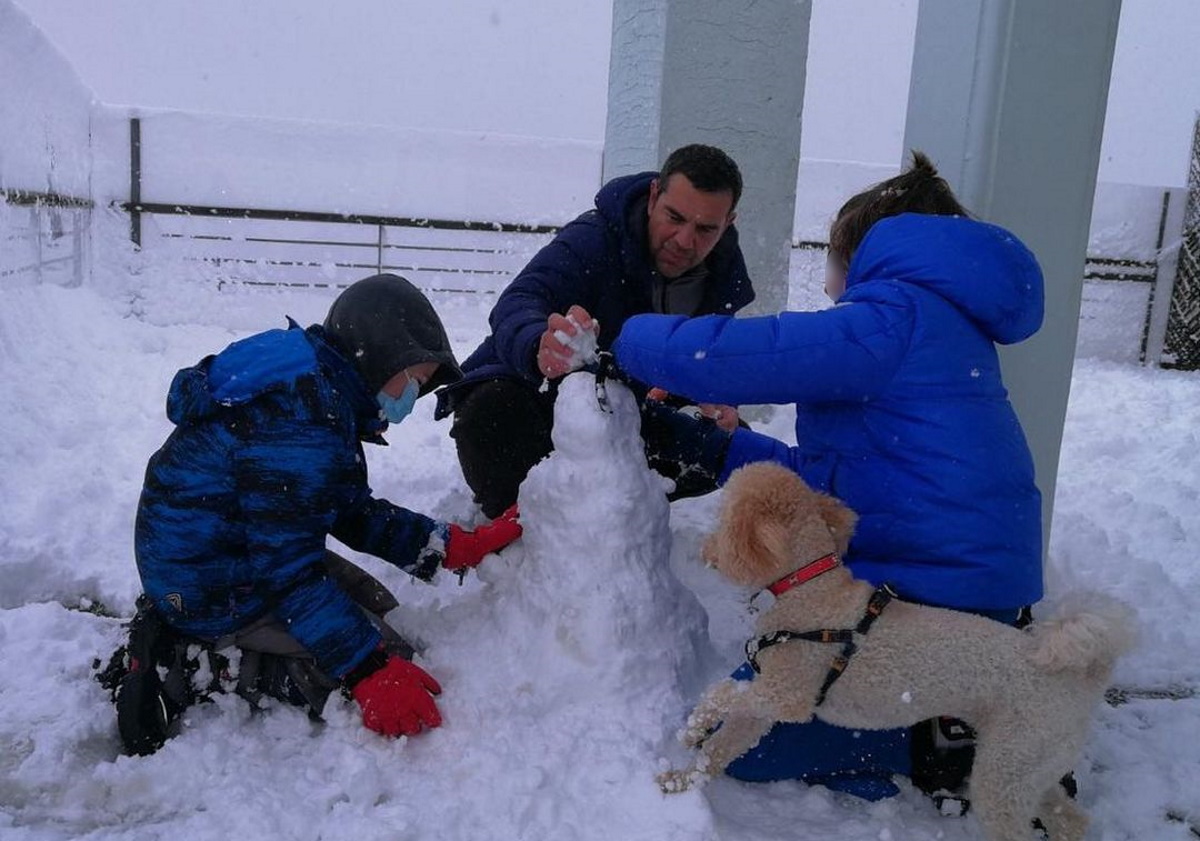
(396, 409)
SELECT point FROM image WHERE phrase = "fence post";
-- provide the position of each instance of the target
(77, 247)
(1183, 319)
(1166, 259)
(135, 181)
(35, 216)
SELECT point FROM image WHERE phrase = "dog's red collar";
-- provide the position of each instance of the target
(805, 573)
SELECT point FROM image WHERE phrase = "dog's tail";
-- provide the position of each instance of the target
(1086, 635)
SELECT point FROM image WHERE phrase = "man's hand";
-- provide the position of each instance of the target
(568, 342)
(725, 417)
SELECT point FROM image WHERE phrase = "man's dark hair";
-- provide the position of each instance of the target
(707, 167)
(919, 189)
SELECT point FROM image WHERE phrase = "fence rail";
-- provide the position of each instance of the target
(1115, 289)
(34, 198)
(295, 248)
(43, 236)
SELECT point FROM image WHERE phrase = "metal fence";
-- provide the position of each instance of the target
(1182, 348)
(43, 237)
(305, 248)
(262, 247)
(1116, 310)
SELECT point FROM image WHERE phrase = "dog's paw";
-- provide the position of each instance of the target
(676, 782)
(696, 734)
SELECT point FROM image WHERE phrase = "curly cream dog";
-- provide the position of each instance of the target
(1028, 694)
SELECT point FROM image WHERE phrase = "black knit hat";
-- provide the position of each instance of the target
(384, 324)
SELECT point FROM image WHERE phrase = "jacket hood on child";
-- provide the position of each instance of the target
(383, 324)
(982, 269)
(273, 360)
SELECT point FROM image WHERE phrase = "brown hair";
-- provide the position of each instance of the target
(919, 189)
(708, 168)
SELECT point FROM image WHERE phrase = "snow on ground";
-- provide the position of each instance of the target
(567, 662)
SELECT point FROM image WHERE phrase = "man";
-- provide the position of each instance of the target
(265, 462)
(660, 242)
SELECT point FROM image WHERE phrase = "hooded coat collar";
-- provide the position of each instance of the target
(266, 362)
(982, 269)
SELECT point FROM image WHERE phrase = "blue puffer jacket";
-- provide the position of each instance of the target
(900, 408)
(265, 462)
(601, 262)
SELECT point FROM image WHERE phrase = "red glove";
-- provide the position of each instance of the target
(395, 699)
(467, 548)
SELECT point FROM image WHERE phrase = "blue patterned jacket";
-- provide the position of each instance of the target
(264, 463)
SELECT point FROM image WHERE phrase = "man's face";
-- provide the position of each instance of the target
(685, 223)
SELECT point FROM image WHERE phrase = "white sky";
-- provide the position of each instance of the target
(540, 68)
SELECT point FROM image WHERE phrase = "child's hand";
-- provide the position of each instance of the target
(465, 549)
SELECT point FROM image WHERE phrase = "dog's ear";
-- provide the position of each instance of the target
(748, 548)
(753, 543)
(839, 518)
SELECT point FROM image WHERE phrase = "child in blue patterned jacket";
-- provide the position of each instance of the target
(265, 462)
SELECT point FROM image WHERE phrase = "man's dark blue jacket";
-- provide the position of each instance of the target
(900, 407)
(265, 461)
(600, 261)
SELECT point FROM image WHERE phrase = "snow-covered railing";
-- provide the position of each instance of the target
(271, 247)
(43, 237)
(1115, 319)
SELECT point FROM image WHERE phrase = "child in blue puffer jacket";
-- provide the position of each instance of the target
(901, 412)
(264, 464)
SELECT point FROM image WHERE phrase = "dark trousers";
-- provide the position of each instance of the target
(502, 429)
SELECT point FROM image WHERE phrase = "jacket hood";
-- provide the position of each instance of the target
(244, 370)
(614, 198)
(982, 269)
(265, 362)
(383, 324)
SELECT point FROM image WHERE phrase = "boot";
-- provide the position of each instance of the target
(149, 681)
(943, 750)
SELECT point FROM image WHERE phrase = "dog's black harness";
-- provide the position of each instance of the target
(878, 601)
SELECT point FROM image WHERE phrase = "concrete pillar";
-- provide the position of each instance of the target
(1008, 97)
(729, 73)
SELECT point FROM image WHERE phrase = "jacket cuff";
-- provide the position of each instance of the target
(430, 558)
(747, 446)
(369, 665)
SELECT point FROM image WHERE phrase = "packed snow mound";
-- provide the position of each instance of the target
(572, 658)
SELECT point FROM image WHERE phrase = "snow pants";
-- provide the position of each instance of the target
(857, 762)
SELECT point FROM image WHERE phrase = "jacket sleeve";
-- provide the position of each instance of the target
(411, 541)
(846, 353)
(563, 273)
(287, 476)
